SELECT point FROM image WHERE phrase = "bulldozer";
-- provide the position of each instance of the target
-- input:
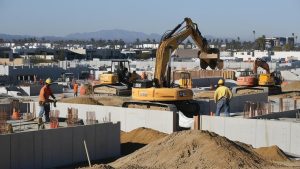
(267, 82)
(115, 82)
(160, 93)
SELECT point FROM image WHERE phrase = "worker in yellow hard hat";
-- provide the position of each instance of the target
(222, 98)
(44, 100)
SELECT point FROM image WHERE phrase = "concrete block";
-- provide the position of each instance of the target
(57, 147)
(22, 144)
(5, 151)
(213, 123)
(114, 145)
(81, 133)
(239, 129)
(101, 140)
(295, 138)
(276, 133)
(135, 118)
(38, 149)
(165, 124)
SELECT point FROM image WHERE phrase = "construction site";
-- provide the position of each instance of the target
(160, 118)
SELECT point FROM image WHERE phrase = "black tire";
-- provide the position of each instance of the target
(213, 64)
(203, 64)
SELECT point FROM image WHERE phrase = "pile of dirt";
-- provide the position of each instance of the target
(138, 138)
(290, 86)
(112, 100)
(81, 100)
(193, 149)
(141, 135)
(272, 153)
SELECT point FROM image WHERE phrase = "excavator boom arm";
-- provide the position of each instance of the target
(170, 42)
(259, 63)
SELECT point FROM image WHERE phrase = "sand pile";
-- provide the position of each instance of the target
(138, 138)
(272, 153)
(141, 135)
(291, 86)
(81, 100)
(193, 149)
(112, 100)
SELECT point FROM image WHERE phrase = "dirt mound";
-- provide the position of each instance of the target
(112, 100)
(138, 138)
(141, 135)
(193, 149)
(291, 86)
(272, 153)
(101, 166)
(81, 100)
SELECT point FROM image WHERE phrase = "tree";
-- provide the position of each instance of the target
(137, 41)
(261, 42)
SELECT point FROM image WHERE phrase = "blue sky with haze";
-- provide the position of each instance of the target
(227, 18)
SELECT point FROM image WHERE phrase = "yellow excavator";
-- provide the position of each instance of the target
(160, 94)
(117, 81)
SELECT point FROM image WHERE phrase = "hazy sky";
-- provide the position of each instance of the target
(219, 18)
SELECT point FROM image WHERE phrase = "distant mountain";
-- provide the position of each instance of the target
(11, 37)
(115, 34)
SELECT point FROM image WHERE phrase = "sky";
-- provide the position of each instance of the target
(218, 18)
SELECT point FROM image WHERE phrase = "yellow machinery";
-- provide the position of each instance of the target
(115, 82)
(159, 93)
(184, 81)
(267, 82)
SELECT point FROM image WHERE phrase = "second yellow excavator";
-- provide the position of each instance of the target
(160, 93)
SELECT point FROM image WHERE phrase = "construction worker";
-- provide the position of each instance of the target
(144, 76)
(75, 88)
(134, 76)
(222, 97)
(44, 100)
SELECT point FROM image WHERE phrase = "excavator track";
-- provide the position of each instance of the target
(188, 108)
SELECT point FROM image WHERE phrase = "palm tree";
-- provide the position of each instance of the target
(253, 35)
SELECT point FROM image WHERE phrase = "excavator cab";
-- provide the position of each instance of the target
(116, 81)
(119, 69)
(184, 79)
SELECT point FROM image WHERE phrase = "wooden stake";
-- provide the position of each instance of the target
(87, 153)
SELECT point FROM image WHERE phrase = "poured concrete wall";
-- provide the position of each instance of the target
(237, 103)
(130, 118)
(58, 147)
(258, 133)
(34, 90)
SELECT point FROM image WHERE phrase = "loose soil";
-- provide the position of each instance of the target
(138, 138)
(272, 153)
(81, 100)
(291, 86)
(194, 149)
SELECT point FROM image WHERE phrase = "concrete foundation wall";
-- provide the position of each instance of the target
(236, 104)
(58, 147)
(130, 118)
(258, 133)
(34, 90)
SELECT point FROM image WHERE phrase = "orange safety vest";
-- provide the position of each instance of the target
(75, 87)
(45, 92)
